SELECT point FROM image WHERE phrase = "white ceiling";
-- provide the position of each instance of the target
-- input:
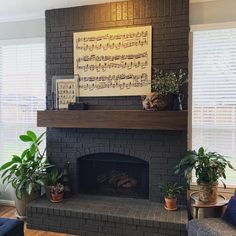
(14, 10)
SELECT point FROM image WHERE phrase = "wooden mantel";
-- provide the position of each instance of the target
(113, 119)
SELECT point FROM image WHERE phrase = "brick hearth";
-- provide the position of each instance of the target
(88, 215)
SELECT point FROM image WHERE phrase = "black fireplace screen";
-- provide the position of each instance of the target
(114, 175)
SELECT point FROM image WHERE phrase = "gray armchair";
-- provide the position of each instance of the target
(210, 227)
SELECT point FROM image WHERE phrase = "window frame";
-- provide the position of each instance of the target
(193, 28)
(7, 198)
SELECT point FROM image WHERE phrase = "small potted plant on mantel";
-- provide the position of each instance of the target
(170, 190)
(209, 167)
(166, 91)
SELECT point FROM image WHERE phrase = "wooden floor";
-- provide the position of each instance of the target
(9, 212)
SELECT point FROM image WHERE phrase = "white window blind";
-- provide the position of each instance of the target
(22, 92)
(214, 93)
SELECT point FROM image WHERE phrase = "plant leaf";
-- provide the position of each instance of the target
(24, 153)
(18, 193)
(40, 137)
(40, 182)
(26, 138)
(6, 179)
(5, 172)
(33, 149)
(6, 165)
(201, 151)
(16, 159)
(32, 135)
(29, 188)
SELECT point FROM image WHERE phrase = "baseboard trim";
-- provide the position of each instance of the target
(7, 202)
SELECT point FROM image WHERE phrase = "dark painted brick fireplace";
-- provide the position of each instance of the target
(160, 150)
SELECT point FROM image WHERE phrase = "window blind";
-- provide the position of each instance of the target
(22, 92)
(214, 93)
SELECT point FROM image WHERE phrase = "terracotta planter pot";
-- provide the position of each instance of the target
(56, 197)
(205, 194)
(170, 204)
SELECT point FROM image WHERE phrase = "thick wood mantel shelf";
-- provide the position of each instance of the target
(113, 119)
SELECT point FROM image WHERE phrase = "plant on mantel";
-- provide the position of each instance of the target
(166, 90)
(166, 83)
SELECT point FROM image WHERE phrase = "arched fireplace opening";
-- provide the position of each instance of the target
(113, 175)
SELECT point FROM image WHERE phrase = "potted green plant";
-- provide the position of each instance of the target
(170, 190)
(168, 87)
(209, 167)
(51, 179)
(25, 172)
(57, 192)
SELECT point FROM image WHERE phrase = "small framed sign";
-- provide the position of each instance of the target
(65, 90)
(65, 93)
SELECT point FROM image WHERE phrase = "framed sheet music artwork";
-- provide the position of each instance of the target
(65, 89)
(114, 62)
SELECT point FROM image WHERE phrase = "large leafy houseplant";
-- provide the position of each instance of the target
(25, 172)
(209, 167)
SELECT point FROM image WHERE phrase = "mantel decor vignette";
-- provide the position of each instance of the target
(101, 56)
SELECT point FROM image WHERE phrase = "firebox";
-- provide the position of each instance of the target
(113, 175)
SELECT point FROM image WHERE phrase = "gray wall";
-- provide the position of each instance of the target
(22, 29)
(218, 11)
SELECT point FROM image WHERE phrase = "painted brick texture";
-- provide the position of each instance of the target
(86, 215)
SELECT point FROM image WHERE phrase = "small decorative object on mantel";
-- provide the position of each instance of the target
(66, 180)
(78, 106)
(170, 190)
(155, 102)
(64, 91)
(209, 168)
(166, 89)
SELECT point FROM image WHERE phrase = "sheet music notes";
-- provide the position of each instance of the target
(113, 62)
